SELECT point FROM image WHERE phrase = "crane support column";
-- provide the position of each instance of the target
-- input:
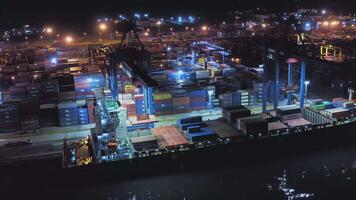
(113, 76)
(290, 82)
(302, 84)
(276, 84)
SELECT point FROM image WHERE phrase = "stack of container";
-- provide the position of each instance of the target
(173, 76)
(186, 122)
(18, 93)
(33, 90)
(254, 126)
(317, 104)
(338, 113)
(232, 113)
(82, 86)
(68, 113)
(229, 72)
(187, 76)
(30, 115)
(91, 113)
(93, 68)
(9, 119)
(197, 100)
(215, 72)
(328, 105)
(348, 105)
(159, 76)
(129, 89)
(288, 112)
(83, 116)
(202, 74)
(230, 99)
(140, 106)
(338, 102)
(48, 114)
(225, 100)
(66, 83)
(258, 92)
(96, 80)
(49, 91)
(130, 107)
(180, 103)
(163, 104)
(241, 97)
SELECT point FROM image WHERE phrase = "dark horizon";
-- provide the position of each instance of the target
(78, 14)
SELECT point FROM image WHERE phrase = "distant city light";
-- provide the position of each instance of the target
(180, 20)
(49, 30)
(323, 12)
(326, 23)
(145, 33)
(158, 23)
(334, 23)
(204, 28)
(103, 27)
(68, 39)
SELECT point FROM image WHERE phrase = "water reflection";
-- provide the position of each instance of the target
(326, 175)
(280, 184)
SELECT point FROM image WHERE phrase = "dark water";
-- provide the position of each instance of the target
(327, 174)
(322, 174)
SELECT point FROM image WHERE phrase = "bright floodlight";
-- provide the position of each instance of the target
(103, 27)
(306, 82)
(68, 39)
(49, 30)
(54, 60)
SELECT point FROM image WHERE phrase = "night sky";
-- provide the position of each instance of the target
(79, 13)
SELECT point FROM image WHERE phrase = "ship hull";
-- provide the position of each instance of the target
(243, 151)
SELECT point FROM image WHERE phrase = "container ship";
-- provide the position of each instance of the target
(237, 133)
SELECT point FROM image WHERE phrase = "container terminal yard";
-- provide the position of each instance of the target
(155, 87)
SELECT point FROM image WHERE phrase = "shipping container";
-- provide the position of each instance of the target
(48, 115)
(9, 119)
(254, 126)
(232, 113)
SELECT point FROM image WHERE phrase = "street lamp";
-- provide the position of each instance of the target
(103, 27)
(49, 30)
(306, 89)
(158, 26)
(68, 39)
